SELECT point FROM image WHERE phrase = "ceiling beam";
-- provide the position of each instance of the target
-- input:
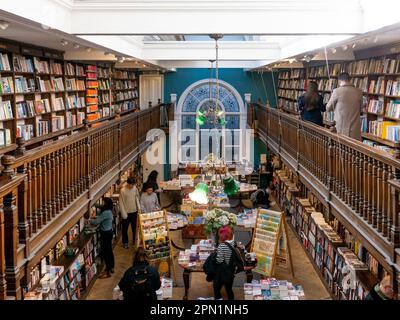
(205, 50)
(165, 17)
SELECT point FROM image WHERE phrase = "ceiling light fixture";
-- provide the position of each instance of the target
(144, 66)
(64, 42)
(212, 111)
(345, 47)
(354, 45)
(107, 53)
(88, 49)
(4, 25)
(333, 50)
(44, 27)
(376, 39)
(76, 46)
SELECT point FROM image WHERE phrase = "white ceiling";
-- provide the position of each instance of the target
(173, 33)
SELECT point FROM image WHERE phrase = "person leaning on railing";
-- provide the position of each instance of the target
(311, 104)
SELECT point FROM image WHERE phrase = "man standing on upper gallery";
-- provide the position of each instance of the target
(346, 102)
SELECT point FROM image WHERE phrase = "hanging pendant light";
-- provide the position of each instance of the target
(231, 186)
(201, 118)
(200, 194)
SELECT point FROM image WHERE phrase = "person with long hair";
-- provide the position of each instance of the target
(311, 104)
(141, 281)
(152, 181)
(105, 221)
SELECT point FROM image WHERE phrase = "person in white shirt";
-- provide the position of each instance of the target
(149, 200)
(128, 204)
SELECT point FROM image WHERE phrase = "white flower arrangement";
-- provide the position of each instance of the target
(218, 218)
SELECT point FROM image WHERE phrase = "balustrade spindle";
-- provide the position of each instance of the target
(43, 189)
(379, 195)
(386, 198)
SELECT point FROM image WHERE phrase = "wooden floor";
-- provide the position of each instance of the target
(305, 275)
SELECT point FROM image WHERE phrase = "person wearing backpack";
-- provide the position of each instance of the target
(141, 281)
(229, 261)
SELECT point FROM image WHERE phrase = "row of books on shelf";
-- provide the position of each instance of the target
(292, 84)
(360, 83)
(104, 84)
(122, 75)
(125, 95)
(327, 84)
(289, 94)
(377, 86)
(4, 62)
(124, 84)
(388, 130)
(104, 98)
(75, 101)
(292, 74)
(127, 105)
(104, 72)
(72, 84)
(74, 119)
(393, 152)
(6, 111)
(74, 70)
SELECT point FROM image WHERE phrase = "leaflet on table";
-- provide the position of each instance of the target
(198, 253)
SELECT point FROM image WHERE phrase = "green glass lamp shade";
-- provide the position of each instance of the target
(200, 120)
(200, 194)
(231, 186)
(221, 121)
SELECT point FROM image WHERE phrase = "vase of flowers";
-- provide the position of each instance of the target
(217, 218)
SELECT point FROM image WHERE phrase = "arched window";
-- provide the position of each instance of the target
(196, 142)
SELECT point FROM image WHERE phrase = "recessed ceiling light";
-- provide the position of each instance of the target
(136, 62)
(76, 46)
(64, 42)
(333, 50)
(144, 66)
(376, 39)
(107, 53)
(4, 25)
(345, 47)
(44, 27)
(354, 45)
(88, 49)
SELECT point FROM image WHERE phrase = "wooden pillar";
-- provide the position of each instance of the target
(11, 244)
(3, 282)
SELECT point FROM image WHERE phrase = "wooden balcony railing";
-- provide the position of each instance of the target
(353, 180)
(45, 191)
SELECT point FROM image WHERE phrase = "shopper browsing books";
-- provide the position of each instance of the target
(152, 181)
(311, 104)
(141, 281)
(382, 291)
(148, 200)
(226, 263)
(346, 102)
(105, 220)
(128, 199)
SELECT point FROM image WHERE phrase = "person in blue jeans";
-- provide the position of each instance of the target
(311, 104)
(105, 220)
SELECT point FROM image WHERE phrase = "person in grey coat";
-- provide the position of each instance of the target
(346, 102)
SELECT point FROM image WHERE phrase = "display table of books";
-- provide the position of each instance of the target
(273, 289)
(192, 260)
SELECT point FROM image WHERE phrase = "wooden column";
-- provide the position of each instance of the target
(11, 244)
(3, 282)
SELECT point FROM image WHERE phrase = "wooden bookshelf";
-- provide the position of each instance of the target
(377, 77)
(125, 90)
(44, 95)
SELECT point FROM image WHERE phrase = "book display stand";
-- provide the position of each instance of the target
(155, 238)
(270, 242)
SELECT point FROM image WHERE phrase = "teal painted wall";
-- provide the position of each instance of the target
(243, 81)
